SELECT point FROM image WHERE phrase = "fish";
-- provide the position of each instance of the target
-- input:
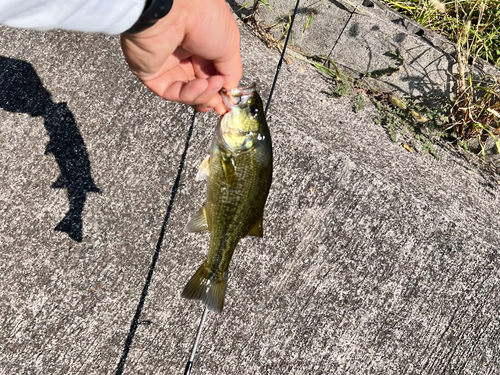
(238, 172)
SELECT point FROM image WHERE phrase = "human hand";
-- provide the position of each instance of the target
(188, 55)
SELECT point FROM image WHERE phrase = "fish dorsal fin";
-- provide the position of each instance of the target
(256, 231)
(198, 222)
(203, 170)
(228, 167)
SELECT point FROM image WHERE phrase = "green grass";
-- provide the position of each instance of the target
(448, 17)
(405, 123)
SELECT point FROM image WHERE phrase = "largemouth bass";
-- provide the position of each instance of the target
(238, 173)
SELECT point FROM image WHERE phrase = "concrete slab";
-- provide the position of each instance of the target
(374, 260)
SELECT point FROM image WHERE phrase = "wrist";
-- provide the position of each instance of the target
(154, 10)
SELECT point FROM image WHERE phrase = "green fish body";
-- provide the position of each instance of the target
(238, 173)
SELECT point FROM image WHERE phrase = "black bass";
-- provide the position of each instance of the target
(238, 173)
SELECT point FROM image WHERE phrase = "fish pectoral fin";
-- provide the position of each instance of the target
(256, 231)
(198, 222)
(228, 167)
(207, 287)
(203, 171)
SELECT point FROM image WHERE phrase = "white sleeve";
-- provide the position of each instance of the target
(106, 16)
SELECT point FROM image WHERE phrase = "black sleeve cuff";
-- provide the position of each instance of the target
(153, 11)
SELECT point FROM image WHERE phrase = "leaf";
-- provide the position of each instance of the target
(408, 148)
(243, 6)
(493, 112)
(418, 117)
(397, 102)
(324, 69)
(308, 23)
(266, 4)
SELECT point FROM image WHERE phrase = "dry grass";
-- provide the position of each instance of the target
(449, 17)
(476, 109)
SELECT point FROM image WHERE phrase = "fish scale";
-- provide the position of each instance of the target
(235, 211)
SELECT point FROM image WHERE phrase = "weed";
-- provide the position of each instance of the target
(358, 103)
(392, 123)
(396, 115)
(475, 27)
(474, 113)
(405, 117)
(342, 86)
(308, 23)
(448, 17)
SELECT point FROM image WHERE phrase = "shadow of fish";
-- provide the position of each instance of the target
(21, 91)
(68, 148)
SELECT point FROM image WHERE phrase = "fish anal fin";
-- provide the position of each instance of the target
(256, 231)
(203, 171)
(198, 223)
(208, 288)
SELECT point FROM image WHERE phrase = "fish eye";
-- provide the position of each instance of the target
(254, 110)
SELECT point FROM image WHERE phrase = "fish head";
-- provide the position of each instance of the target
(242, 125)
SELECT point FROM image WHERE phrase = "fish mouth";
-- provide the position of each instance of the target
(237, 97)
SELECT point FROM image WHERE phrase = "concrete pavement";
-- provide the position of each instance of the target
(374, 260)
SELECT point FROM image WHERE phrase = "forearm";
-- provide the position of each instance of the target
(107, 16)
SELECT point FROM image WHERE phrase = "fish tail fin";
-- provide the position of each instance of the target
(71, 224)
(208, 287)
